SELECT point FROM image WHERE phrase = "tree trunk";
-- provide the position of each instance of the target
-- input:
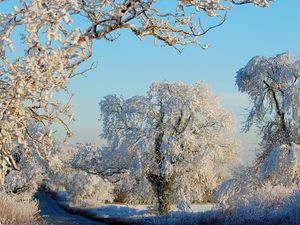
(162, 183)
(163, 188)
(158, 179)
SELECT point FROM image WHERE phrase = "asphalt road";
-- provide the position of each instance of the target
(53, 214)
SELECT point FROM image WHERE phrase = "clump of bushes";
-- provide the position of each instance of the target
(16, 212)
(267, 205)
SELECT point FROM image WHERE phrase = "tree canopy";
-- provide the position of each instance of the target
(175, 136)
(273, 87)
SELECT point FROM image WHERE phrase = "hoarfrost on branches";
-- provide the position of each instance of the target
(273, 87)
(178, 136)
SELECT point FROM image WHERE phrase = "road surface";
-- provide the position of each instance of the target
(53, 214)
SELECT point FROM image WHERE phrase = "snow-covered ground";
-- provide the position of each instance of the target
(201, 207)
(126, 211)
(255, 212)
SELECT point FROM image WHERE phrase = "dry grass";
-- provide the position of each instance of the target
(16, 212)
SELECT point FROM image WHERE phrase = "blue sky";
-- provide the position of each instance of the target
(128, 66)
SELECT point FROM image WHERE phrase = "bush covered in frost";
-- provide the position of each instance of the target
(88, 190)
(268, 205)
(16, 212)
(82, 188)
(259, 204)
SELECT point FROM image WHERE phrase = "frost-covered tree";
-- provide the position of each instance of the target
(274, 89)
(52, 43)
(178, 134)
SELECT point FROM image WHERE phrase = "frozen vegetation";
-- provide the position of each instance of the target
(173, 148)
(14, 211)
(168, 142)
(169, 149)
(264, 192)
(269, 205)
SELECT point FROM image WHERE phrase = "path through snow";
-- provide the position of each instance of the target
(53, 214)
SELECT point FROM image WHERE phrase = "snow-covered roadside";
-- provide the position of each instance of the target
(137, 214)
(288, 213)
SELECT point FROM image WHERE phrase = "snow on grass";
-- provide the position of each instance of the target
(287, 212)
(269, 205)
(120, 211)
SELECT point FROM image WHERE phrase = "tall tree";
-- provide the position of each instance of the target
(178, 133)
(273, 87)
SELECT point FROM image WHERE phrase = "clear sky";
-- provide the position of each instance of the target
(128, 66)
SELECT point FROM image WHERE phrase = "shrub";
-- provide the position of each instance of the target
(266, 205)
(14, 212)
(88, 190)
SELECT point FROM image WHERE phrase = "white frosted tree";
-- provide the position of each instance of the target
(272, 84)
(273, 87)
(179, 135)
(52, 44)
